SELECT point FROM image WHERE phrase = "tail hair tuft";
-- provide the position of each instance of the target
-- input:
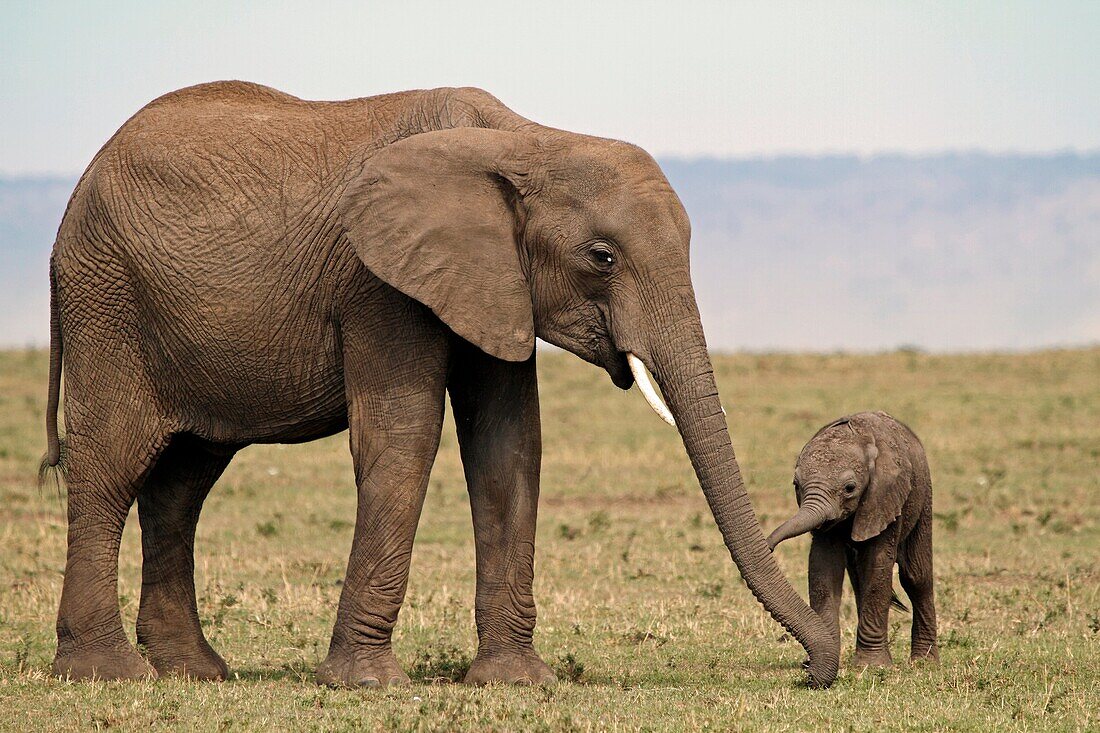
(58, 468)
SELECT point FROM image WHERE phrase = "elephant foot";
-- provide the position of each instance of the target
(872, 658)
(102, 664)
(177, 648)
(514, 668)
(361, 668)
(929, 654)
(201, 664)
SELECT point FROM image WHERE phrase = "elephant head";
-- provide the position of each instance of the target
(854, 467)
(580, 241)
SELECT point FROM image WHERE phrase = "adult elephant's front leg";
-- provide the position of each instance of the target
(395, 418)
(497, 418)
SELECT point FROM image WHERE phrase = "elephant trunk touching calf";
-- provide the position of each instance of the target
(249, 267)
(683, 369)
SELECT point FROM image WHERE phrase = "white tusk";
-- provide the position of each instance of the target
(646, 387)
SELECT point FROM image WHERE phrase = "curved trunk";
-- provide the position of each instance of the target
(674, 348)
(811, 515)
(681, 365)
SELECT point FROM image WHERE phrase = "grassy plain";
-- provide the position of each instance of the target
(641, 612)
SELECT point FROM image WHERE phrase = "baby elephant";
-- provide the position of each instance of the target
(863, 489)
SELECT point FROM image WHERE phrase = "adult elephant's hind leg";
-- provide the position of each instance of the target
(496, 412)
(106, 467)
(168, 508)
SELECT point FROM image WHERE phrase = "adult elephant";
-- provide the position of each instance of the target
(241, 266)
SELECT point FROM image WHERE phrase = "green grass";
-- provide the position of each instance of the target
(640, 609)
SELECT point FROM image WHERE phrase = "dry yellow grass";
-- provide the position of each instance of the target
(641, 611)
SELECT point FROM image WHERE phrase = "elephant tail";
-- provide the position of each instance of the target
(896, 602)
(54, 443)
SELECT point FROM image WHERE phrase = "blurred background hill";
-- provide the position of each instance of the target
(860, 176)
(941, 252)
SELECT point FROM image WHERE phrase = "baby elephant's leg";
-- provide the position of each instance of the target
(875, 569)
(827, 580)
(915, 569)
(853, 573)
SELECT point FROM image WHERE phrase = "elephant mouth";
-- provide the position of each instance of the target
(608, 354)
(616, 365)
(598, 351)
(833, 523)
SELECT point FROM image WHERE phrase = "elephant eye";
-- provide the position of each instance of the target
(849, 488)
(602, 256)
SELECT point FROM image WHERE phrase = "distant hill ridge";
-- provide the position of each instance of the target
(956, 251)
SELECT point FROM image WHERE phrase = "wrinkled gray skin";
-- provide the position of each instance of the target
(864, 490)
(241, 266)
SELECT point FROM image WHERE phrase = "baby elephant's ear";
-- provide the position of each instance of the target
(888, 461)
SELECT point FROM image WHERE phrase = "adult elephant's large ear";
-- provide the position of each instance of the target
(891, 477)
(435, 216)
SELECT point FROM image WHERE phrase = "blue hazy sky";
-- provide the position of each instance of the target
(679, 78)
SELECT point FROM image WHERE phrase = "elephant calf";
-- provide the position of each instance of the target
(864, 490)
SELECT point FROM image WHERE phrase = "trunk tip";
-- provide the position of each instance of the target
(824, 666)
